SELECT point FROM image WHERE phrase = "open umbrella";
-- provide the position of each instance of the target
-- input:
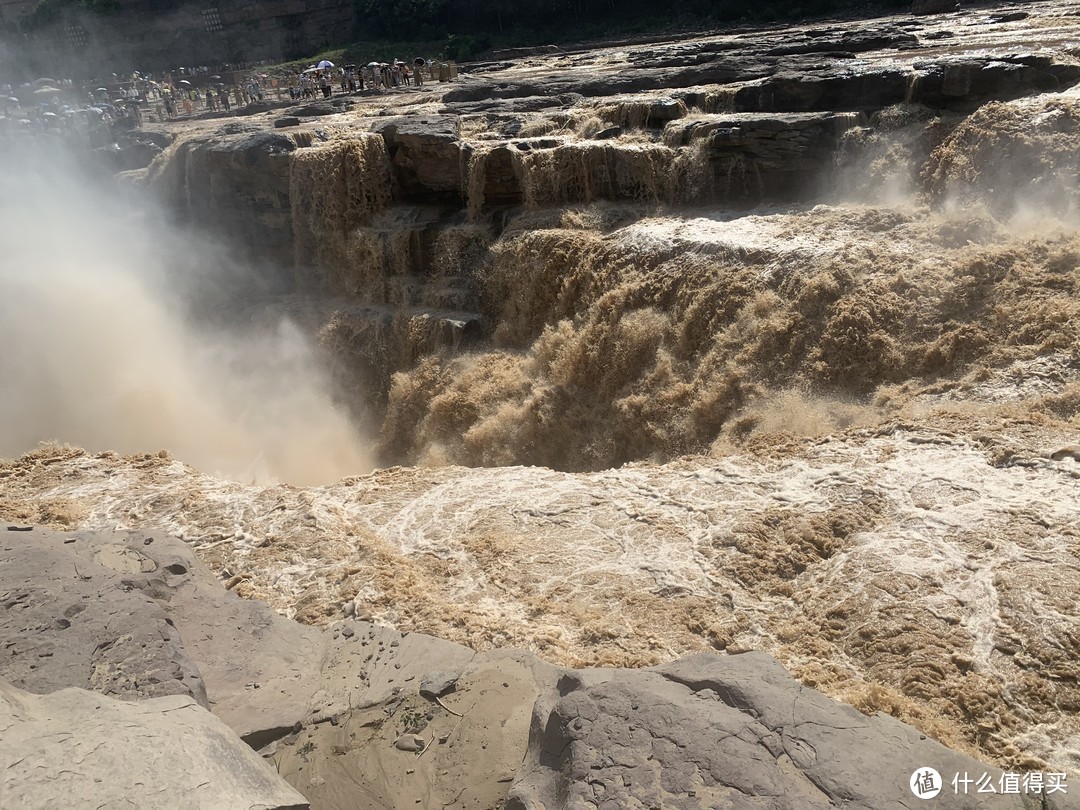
(215, 77)
(185, 81)
(47, 91)
(325, 63)
(374, 64)
(43, 80)
(312, 69)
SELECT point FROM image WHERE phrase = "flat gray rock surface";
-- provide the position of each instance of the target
(733, 731)
(72, 614)
(76, 749)
(135, 614)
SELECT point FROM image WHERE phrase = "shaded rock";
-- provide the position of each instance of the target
(286, 121)
(426, 155)
(1007, 16)
(235, 185)
(130, 152)
(315, 109)
(849, 42)
(664, 110)
(511, 105)
(827, 88)
(253, 108)
(437, 684)
(1071, 451)
(74, 748)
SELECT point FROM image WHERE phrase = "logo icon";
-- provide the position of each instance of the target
(925, 783)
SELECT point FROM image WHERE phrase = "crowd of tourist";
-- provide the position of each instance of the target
(324, 77)
(59, 107)
(93, 113)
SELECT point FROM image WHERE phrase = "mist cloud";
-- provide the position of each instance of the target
(99, 347)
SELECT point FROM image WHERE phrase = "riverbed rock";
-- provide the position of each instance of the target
(437, 684)
(136, 614)
(730, 731)
(426, 155)
(75, 748)
(70, 616)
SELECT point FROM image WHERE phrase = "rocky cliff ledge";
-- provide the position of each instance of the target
(114, 642)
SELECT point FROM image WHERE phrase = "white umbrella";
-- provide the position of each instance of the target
(325, 64)
(47, 91)
(311, 69)
(374, 64)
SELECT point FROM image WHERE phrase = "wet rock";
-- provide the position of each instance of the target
(838, 41)
(664, 110)
(314, 110)
(1071, 451)
(286, 121)
(426, 154)
(236, 185)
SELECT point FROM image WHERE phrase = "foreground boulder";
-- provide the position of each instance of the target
(75, 748)
(724, 731)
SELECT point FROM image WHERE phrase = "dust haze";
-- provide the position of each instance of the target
(108, 344)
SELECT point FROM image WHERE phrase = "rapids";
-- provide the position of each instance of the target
(658, 372)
